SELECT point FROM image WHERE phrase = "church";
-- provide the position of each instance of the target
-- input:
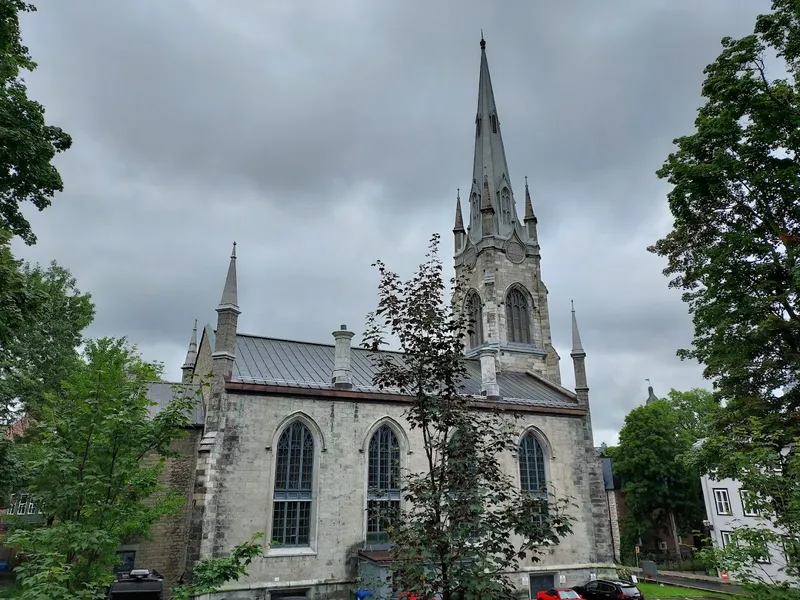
(295, 440)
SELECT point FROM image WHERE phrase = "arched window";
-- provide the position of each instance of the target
(383, 483)
(518, 317)
(294, 472)
(505, 205)
(463, 483)
(475, 320)
(531, 467)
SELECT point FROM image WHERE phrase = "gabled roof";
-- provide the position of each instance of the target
(288, 363)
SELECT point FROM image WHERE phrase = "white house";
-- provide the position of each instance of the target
(728, 509)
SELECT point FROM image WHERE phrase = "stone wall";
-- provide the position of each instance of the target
(166, 551)
(342, 429)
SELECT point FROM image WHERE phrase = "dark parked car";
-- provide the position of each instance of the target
(609, 589)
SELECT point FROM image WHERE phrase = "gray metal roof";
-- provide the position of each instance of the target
(303, 364)
(162, 393)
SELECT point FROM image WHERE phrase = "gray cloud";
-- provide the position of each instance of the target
(321, 136)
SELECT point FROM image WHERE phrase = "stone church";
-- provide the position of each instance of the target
(296, 441)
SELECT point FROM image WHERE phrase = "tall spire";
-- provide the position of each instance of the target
(191, 356)
(579, 361)
(577, 346)
(651, 396)
(229, 292)
(530, 217)
(490, 160)
(459, 226)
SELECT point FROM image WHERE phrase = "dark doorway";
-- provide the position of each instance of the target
(541, 582)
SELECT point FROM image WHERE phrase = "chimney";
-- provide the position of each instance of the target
(489, 387)
(342, 378)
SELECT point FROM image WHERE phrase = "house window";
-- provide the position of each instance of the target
(475, 317)
(531, 468)
(383, 483)
(763, 558)
(722, 501)
(518, 317)
(294, 469)
(22, 505)
(749, 506)
(791, 550)
(727, 538)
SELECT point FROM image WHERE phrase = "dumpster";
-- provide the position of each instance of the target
(138, 584)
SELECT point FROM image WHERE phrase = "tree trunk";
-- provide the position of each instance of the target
(675, 537)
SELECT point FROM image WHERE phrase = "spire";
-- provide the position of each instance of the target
(529, 216)
(577, 346)
(459, 226)
(229, 293)
(651, 397)
(191, 355)
(490, 158)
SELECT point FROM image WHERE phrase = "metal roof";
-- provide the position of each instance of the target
(294, 364)
(162, 393)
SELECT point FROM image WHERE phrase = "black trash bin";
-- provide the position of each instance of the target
(139, 584)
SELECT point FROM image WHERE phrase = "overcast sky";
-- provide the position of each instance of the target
(322, 135)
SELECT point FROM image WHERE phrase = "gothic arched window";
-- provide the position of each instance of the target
(475, 211)
(531, 467)
(383, 482)
(505, 205)
(475, 320)
(294, 473)
(518, 317)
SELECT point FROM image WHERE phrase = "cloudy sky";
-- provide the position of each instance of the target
(321, 135)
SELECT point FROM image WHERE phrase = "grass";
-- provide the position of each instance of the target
(654, 590)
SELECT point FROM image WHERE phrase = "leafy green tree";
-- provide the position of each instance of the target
(28, 143)
(455, 539)
(210, 574)
(42, 315)
(92, 462)
(660, 490)
(696, 410)
(734, 251)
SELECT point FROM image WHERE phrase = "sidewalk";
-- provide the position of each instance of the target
(693, 580)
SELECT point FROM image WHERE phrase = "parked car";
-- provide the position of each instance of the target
(608, 589)
(561, 594)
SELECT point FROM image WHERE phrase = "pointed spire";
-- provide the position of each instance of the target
(489, 164)
(230, 293)
(459, 226)
(651, 397)
(577, 346)
(191, 354)
(529, 216)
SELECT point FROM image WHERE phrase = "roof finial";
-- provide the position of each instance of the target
(483, 42)
(233, 252)
(577, 346)
(230, 292)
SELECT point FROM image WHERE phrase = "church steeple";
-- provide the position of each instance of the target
(490, 163)
(227, 321)
(458, 228)
(191, 357)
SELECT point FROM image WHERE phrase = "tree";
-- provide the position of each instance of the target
(660, 490)
(455, 539)
(92, 461)
(734, 251)
(696, 410)
(28, 143)
(210, 574)
(42, 315)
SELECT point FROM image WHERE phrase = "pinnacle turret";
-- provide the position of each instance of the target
(191, 357)
(230, 294)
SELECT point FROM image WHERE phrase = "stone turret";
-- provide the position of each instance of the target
(578, 355)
